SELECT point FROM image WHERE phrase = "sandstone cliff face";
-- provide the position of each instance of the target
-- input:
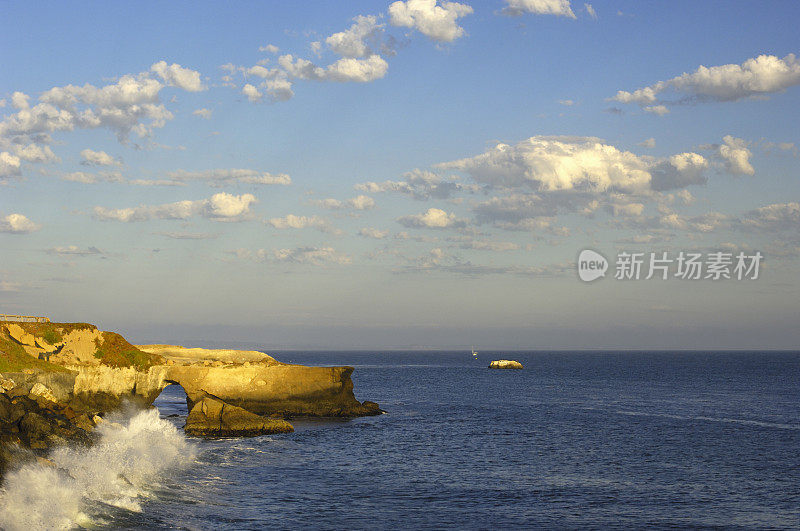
(95, 371)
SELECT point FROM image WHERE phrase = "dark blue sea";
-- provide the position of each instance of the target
(575, 440)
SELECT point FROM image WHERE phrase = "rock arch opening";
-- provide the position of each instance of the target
(173, 400)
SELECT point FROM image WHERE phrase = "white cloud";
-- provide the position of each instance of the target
(485, 245)
(759, 76)
(269, 48)
(17, 224)
(35, 153)
(579, 164)
(435, 21)
(433, 218)
(773, 218)
(590, 11)
(80, 177)
(129, 105)
(540, 7)
(648, 143)
(419, 184)
(360, 202)
(352, 42)
(155, 182)
(252, 93)
(218, 177)
(9, 165)
(177, 76)
(316, 256)
(203, 113)
(74, 250)
(370, 232)
(97, 158)
(566, 103)
(292, 221)
(659, 110)
(346, 69)
(20, 100)
(219, 207)
(736, 156)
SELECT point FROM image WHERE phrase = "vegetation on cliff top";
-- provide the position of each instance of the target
(13, 358)
(115, 351)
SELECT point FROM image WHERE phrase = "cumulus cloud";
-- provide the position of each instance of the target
(269, 48)
(292, 221)
(560, 8)
(203, 113)
(9, 165)
(659, 110)
(360, 202)
(219, 207)
(97, 158)
(17, 224)
(580, 164)
(177, 76)
(224, 176)
(777, 217)
(437, 21)
(131, 104)
(370, 232)
(420, 185)
(353, 42)
(756, 77)
(35, 153)
(736, 155)
(433, 218)
(346, 69)
(252, 93)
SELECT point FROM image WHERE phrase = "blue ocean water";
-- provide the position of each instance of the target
(576, 440)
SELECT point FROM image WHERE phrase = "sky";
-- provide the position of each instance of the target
(410, 174)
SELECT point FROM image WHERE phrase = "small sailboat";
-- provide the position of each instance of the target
(474, 353)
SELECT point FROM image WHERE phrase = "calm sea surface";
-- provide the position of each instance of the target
(576, 440)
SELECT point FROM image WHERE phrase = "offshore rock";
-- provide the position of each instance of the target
(505, 364)
(214, 418)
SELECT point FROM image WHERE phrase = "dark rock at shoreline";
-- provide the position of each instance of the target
(30, 428)
(211, 417)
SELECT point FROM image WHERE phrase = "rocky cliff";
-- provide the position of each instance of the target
(87, 372)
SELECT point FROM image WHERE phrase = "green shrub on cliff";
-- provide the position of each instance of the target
(13, 358)
(115, 351)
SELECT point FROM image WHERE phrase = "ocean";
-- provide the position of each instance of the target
(576, 440)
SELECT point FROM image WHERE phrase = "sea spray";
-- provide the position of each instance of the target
(132, 454)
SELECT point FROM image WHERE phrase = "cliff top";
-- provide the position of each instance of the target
(55, 346)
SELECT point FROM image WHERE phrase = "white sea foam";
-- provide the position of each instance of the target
(132, 455)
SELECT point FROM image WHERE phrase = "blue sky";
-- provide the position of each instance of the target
(399, 174)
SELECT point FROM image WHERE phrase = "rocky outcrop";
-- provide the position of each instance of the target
(92, 372)
(31, 427)
(505, 364)
(274, 388)
(214, 418)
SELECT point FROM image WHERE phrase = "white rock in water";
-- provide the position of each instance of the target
(505, 364)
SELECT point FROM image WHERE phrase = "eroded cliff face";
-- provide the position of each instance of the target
(95, 371)
(274, 388)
